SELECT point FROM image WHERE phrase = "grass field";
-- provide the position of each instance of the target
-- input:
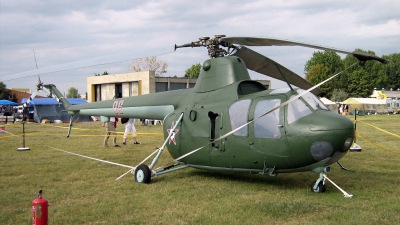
(82, 191)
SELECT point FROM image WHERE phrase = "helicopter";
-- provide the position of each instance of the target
(229, 122)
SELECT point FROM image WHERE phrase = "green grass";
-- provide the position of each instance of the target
(82, 191)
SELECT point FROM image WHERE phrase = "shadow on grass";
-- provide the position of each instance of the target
(282, 181)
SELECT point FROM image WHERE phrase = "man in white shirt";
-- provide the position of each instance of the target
(130, 127)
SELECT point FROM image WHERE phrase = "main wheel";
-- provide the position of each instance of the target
(321, 187)
(142, 174)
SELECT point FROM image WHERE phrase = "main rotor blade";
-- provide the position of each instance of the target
(256, 41)
(264, 65)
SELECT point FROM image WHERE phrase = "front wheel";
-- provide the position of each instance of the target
(142, 174)
(321, 187)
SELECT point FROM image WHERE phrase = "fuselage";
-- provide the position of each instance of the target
(302, 135)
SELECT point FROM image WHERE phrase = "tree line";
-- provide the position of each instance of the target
(358, 81)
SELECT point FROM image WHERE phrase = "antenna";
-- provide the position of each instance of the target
(34, 55)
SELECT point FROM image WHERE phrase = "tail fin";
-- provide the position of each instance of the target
(60, 97)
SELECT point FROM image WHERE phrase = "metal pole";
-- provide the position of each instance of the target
(23, 133)
(355, 147)
(355, 124)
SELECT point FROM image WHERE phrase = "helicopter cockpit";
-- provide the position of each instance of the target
(300, 107)
(267, 126)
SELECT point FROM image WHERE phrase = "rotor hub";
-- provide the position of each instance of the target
(214, 45)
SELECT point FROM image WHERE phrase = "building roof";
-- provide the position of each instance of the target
(386, 94)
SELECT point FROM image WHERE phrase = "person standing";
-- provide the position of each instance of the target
(130, 127)
(110, 130)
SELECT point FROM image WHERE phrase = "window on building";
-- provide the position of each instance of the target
(161, 86)
(177, 86)
(118, 90)
(97, 92)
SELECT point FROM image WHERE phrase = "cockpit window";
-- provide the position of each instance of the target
(296, 110)
(267, 126)
(312, 100)
(238, 112)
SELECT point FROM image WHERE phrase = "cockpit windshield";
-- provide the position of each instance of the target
(312, 100)
(296, 110)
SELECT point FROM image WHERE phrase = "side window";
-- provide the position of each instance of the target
(267, 126)
(296, 110)
(238, 113)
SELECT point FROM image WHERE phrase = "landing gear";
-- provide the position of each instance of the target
(142, 174)
(318, 188)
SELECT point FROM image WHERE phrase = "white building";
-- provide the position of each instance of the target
(136, 83)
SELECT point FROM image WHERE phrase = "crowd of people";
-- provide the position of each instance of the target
(111, 126)
(8, 110)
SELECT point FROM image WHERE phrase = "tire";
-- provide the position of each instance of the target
(142, 174)
(321, 187)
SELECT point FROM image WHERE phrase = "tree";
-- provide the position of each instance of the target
(357, 81)
(338, 95)
(149, 64)
(104, 73)
(321, 66)
(360, 85)
(318, 73)
(362, 78)
(392, 71)
(4, 92)
(73, 93)
(327, 58)
(193, 71)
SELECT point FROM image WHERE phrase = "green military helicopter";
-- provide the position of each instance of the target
(229, 122)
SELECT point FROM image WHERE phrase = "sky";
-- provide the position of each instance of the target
(48, 36)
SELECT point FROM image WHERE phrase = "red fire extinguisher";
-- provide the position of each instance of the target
(40, 208)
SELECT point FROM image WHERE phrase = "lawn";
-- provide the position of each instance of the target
(83, 191)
